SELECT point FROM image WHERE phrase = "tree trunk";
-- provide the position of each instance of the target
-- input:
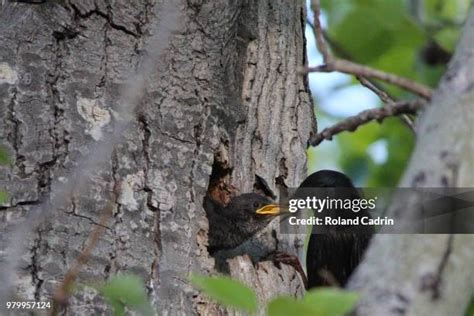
(224, 102)
(429, 274)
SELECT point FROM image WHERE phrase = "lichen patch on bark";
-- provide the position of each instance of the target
(93, 111)
(7, 74)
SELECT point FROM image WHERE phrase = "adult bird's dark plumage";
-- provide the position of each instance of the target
(333, 254)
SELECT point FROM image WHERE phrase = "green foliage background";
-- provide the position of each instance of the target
(396, 36)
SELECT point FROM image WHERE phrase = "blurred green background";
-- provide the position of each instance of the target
(411, 38)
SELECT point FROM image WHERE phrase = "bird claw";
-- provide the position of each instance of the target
(286, 258)
(291, 260)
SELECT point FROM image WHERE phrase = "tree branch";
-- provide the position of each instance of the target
(348, 67)
(379, 114)
(318, 33)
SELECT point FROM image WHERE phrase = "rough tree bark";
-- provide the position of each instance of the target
(226, 102)
(430, 274)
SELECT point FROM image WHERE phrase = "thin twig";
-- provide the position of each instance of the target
(318, 32)
(385, 97)
(382, 94)
(63, 292)
(379, 114)
(348, 67)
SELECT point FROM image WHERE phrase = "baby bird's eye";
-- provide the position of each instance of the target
(256, 204)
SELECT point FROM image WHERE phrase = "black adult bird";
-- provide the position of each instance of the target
(334, 252)
(338, 250)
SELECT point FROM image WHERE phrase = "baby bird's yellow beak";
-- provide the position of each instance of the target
(270, 209)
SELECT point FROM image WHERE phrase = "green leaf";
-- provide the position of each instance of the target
(126, 290)
(227, 291)
(319, 302)
(3, 197)
(371, 28)
(399, 60)
(447, 38)
(453, 10)
(362, 34)
(284, 306)
(331, 301)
